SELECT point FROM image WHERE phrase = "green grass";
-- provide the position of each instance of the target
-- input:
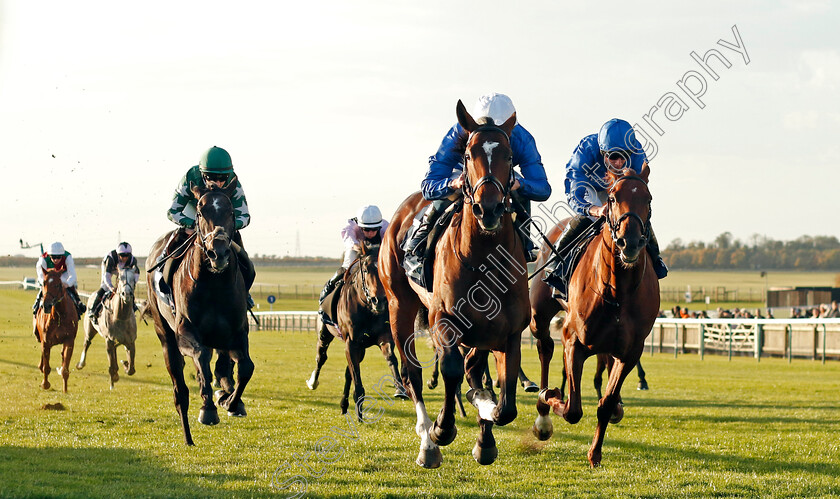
(706, 428)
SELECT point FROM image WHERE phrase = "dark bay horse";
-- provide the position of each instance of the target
(117, 325)
(56, 322)
(210, 305)
(361, 315)
(479, 297)
(612, 306)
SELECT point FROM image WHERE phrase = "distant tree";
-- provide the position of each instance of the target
(724, 240)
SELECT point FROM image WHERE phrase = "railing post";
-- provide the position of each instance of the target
(729, 331)
(676, 338)
(759, 341)
(823, 344)
(789, 330)
(702, 341)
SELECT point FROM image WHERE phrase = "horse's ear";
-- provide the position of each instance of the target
(196, 190)
(464, 119)
(644, 173)
(508, 125)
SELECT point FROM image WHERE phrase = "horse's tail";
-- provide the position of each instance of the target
(421, 322)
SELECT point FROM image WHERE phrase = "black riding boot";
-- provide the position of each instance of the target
(523, 226)
(331, 284)
(37, 304)
(653, 249)
(560, 263)
(97, 306)
(74, 295)
(245, 265)
(431, 216)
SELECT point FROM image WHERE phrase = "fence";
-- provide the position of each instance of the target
(284, 321)
(296, 291)
(808, 338)
(715, 293)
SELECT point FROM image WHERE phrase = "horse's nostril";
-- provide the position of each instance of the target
(621, 242)
(499, 210)
(211, 254)
(477, 211)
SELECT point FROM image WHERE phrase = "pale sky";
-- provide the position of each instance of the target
(326, 106)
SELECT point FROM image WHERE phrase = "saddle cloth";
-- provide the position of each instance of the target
(559, 276)
(420, 268)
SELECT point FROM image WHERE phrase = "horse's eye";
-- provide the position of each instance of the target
(467, 157)
(612, 200)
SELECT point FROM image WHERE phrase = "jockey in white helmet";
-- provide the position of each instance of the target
(368, 225)
(118, 259)
(60, 259)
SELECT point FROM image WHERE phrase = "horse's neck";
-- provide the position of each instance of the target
(122, 310)
(617, 281)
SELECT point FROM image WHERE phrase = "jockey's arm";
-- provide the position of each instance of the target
(39, 269)
(182, 211)
(533, 183)
(438, 182)
(107, 280)
(240, 207)
(69, 276)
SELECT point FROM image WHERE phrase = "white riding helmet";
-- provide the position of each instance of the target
(56, 248)
(497, 106)
(123, 248)
(369, 217)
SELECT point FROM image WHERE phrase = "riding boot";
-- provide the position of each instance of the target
(522, 223)
(37, 304)
(175, 240)
(74, 295)
(414, 245)
(246, 266)
(653, 249)
(331, 284)
(97, 306)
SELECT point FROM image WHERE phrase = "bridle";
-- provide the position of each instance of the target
(470, 190)
(614, 225)
(218, 232)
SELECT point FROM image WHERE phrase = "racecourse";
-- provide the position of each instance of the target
(706, 428)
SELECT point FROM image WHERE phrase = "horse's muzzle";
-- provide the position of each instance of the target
(378, 304)
(219, 260)
(489, 215)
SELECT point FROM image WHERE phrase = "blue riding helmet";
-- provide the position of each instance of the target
(617, 135)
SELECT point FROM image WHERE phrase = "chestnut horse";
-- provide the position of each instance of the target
(210, 305)
(56, 322)
(362, 322)
(117, 325)
(479, 297)
(612, 306)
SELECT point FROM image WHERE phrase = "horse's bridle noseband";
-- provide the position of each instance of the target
(614, 225)
(469, 190)
(204, 237)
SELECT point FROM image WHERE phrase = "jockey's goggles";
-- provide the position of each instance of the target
(372, 229)
(56, 257)
(614, 155)
(123, 255)
(216, 177)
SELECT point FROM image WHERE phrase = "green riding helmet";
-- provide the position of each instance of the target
(215, 160)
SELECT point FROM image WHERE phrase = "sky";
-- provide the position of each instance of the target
(327, 106)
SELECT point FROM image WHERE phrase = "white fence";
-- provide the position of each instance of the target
(301, 320)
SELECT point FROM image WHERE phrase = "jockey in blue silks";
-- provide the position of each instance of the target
(444, 178)
(614, 147)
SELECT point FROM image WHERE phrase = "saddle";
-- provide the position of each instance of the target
(420, 268)
(559, 274)
(165, 268)
(329, 307)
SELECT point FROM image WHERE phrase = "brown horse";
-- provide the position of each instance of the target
(56, 322)
(361, 315)
(210, 305)
(612, 306)
(117, 325)
(479, 297)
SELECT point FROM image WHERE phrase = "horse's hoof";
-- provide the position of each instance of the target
(618, 414)
(485, 455)
(220, 395)
(208, 417)
(400, 394)
(312, 384)
(594, 458)
(216, 384)
(642, 385)
(432, 384)
(115, 377)
(81, 366)
(543, 428)
(442, 436)
(239, 411)
(45, 385)
(430, 458)
(530, 387)
(59, 370)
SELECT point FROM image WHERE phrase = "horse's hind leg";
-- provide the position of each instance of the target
(484, 451)
(575, 355)
(244, 370)
(433, 381)
(643, 385)
(543, 309)
(128, 364)
(386, 344)
(345, 397)
(355, 352)
(113, 370)
(208, 414)
(90, 333)
(175, 366)
(452, 367)
(223, 372)
(324, 340)
(45, 364)
(603, 364)
(609, 407)
(527, 384)
(66, 356)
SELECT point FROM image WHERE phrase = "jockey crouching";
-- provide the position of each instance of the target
(444, 178)
(215, 169)
(61, 260)
(368, 226)
(615, 148)
(118, 259)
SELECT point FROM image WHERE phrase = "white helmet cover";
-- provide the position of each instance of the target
(123, 248)
(497, 106)
(56, 248)
(369, 217)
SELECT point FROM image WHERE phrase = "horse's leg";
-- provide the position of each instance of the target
(484, 451)
(223, 372)
(244, 370)
(609, 407)
(643, 385)
(113, 370)
(543, 309)
(386, 344)
(599, 372)
(208, 414)
(90, 333)
(508, 363)
(433, 381)
(175, 366)
(45, 363)
(575, 355)
(527, 384)
(324, 340)
(129, 353)
(66, 356)
(345, 397)
(355, 352)
(452, 368)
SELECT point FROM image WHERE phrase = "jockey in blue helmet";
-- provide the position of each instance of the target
(615, 148)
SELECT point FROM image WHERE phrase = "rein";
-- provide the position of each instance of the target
(630, 214)
(470, 190)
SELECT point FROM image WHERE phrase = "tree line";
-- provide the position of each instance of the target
(757, 253)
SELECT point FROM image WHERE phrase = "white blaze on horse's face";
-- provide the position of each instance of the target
(488, 150)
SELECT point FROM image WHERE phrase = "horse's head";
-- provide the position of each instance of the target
(126, 282)
(52, 289)
(488, 167)
(215, 223)
(628, 213)
(374, 291)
